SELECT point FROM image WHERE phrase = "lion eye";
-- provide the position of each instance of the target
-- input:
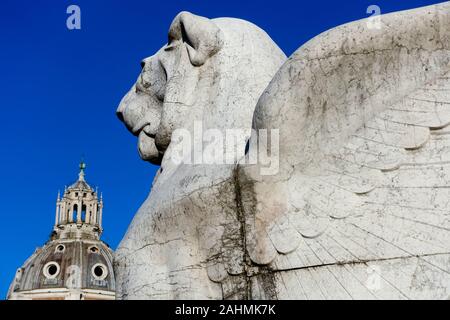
(170, 47)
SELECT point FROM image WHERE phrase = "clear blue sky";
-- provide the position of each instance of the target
(59, 90)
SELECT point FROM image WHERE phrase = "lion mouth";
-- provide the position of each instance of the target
(147, 130)
(136, 130)
(147, 148)
(144, 128)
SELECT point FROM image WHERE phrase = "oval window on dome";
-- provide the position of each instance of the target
(51, 270)
(99, 271)
(60, 248)
(93, 249)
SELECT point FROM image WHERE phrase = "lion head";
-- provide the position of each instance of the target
(211, 71)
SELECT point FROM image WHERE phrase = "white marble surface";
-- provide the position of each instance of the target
(359, 207)
(181, 227)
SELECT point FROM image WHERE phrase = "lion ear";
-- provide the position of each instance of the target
(202, 37)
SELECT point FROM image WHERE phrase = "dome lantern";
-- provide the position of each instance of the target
(79, 211)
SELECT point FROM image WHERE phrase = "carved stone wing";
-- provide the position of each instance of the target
(363, 188)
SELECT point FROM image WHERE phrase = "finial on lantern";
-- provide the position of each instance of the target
(82, 167)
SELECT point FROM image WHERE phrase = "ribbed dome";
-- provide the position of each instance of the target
(81, 185)
(74, 263)
(82, 264)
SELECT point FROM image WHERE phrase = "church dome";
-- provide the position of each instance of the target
(74, 263)
(80, 269)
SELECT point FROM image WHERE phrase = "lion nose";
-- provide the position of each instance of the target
(119, 115)
(119, 112)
